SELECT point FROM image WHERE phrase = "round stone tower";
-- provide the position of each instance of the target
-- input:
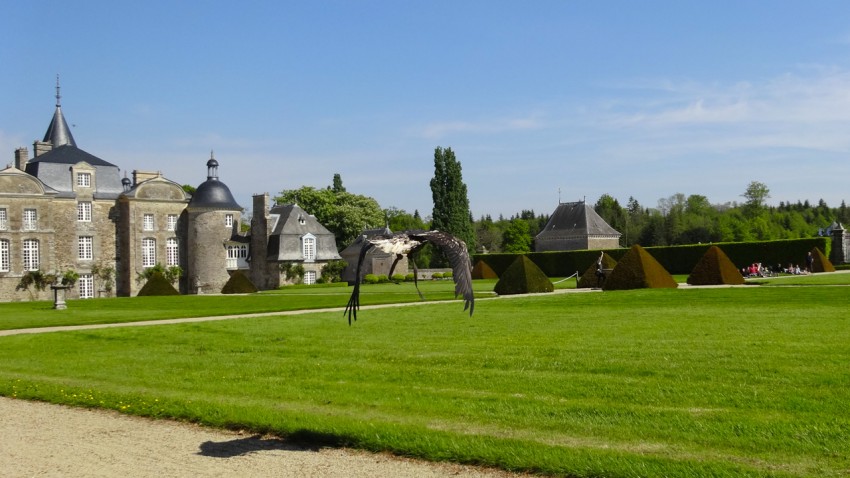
(213, 219)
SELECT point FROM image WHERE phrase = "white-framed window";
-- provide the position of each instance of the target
(236, 255)
(148, 252)
(30, 219)
(172, 252)
(84, 211)
(147, 222)
(84, 180)
(86, 286)
(4, 219)
(5, 262)
(30, 251)
(228, 220)
(171, 224)
(309, 277)
(308, 247)
(85, 248)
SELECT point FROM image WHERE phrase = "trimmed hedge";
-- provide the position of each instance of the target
(821, 263)
(637, 269)
(238, 284)
(715, 268)
(157, 285)
(523, 277)
(483, 271)
(589, 280)
(675, 259)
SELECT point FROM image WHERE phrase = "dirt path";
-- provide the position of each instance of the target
(40, 439)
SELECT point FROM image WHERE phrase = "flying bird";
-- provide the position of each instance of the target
(408, 244)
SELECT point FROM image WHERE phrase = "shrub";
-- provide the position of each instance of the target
(332, 272)
(523, 277)
(821, 263)
(370, 279)
(238, 284)
(448, 275)
(409, 277)
(437, 276)
(639, 270)
(483, 271)
(157, 284)
(383, 278)
(398, 277)
(715, 268)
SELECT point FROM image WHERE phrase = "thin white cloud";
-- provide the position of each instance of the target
(487, 126)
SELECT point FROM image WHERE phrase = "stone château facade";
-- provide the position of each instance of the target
(65, 209)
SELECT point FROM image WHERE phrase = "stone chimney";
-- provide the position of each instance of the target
(41, 147)
(142, 176)
(21, 158)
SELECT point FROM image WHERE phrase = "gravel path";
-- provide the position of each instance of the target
(45, 440)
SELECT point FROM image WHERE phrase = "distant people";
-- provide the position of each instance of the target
(600, 271)
(810, 261)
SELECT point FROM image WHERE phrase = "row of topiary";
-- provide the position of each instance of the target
(636, 269)
(676, 259)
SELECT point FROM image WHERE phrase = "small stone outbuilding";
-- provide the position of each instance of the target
(576, 226)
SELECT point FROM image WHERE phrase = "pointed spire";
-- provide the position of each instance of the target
(58, 133)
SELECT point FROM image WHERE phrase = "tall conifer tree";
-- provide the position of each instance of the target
(451, 205)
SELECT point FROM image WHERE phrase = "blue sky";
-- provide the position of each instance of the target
(642, 99)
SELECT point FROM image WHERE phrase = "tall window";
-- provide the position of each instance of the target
(172, 222)
(172, 252)
(308, 247)
(85, 248)
(228, 220)
(236, 253)
(84, 180)
(148, 252)
(30, 219)
(30, 254)
(147, 222)
(310, 277)
(4, 219)
(86, 285)
(5, 263)
(84, 211)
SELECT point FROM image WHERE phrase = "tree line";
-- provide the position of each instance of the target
(677, 219)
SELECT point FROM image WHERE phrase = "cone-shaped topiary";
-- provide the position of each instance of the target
(238, 284)
(821, 263)
(482, 270)
(589, 279)
(637, 269)
(157, 285)
(523, 277)
(715, 268)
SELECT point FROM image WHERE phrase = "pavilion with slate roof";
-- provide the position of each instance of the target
(576, 226)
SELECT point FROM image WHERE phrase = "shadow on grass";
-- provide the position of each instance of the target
(299, 441)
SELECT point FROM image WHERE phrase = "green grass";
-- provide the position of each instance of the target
(749, 381)
(18, 315)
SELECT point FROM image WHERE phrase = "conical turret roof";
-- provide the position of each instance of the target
(58, 133)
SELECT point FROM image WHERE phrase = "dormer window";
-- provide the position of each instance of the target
(308, 247)
(301, 219)
(84, 180)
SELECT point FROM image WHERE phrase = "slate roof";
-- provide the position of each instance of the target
(289, 223)
(58, 133)
(214, 194)
(52, 168)
(576, 219)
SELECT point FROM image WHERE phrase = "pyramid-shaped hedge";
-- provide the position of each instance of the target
(523, 277)
(238, 284)
(157, 285)
(637, 269)
(588, 279)
(715, 268)
(821, 263)
(482, 270)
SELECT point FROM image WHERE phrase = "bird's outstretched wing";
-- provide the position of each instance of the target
(354, 301)
(455, 251)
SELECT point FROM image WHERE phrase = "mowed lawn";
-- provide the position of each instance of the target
(748, 381)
